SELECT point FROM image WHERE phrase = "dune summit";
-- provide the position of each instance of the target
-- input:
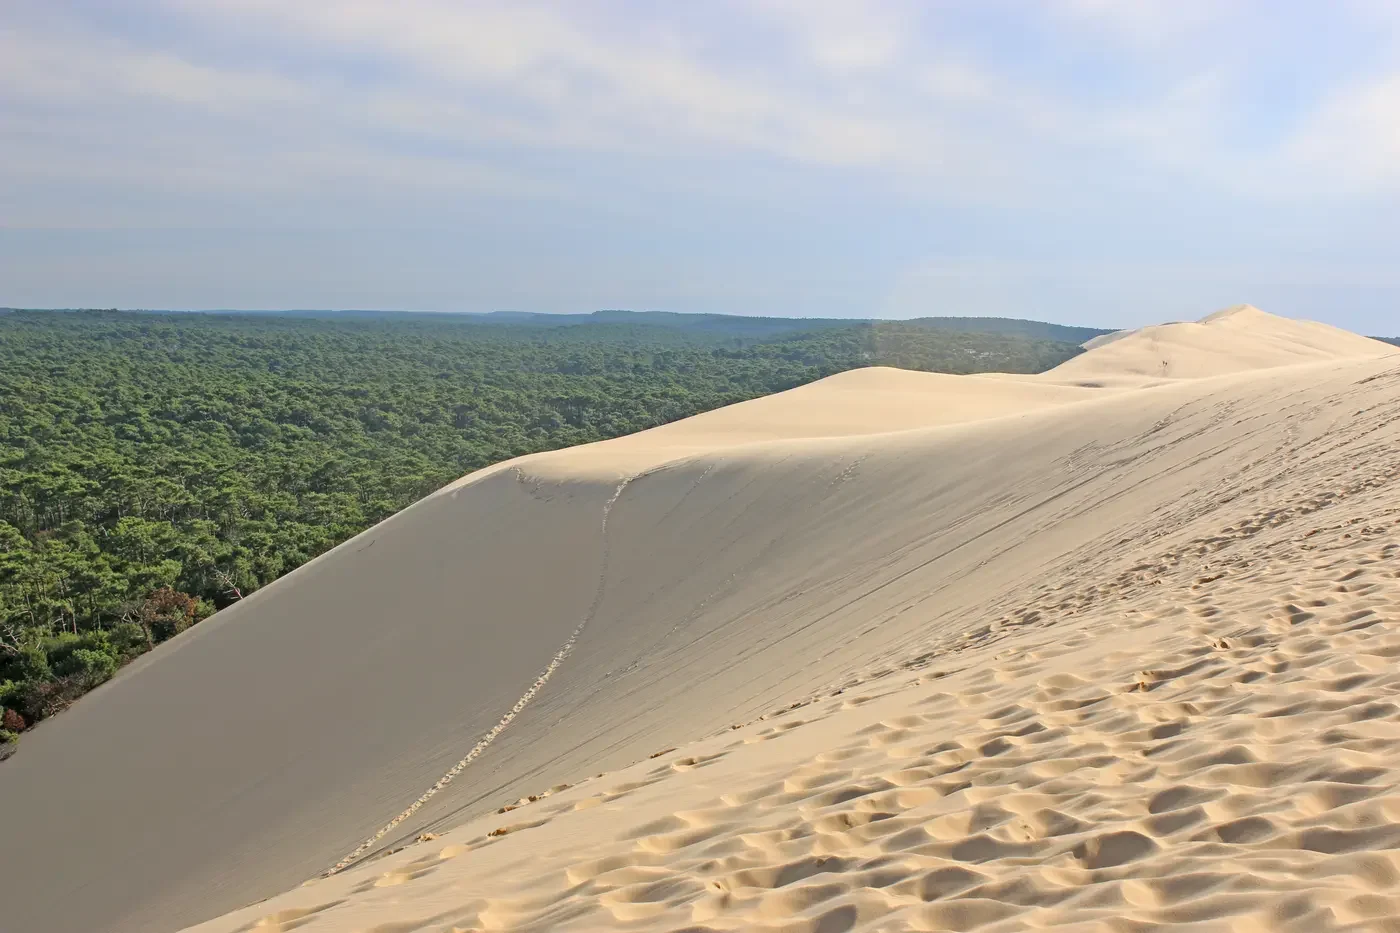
(1237, 339)
(893, 649)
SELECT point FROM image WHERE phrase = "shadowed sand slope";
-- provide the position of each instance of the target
(607, 602)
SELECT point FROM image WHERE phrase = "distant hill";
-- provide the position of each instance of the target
(1394, 340)
(705, 326)
(740, 325)
(700, 327)
(1039, 330)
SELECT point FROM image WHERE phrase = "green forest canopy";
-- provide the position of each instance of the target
(155, 467)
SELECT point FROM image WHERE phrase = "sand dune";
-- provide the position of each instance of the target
(1030, 654)
(855, 404)
(1234, 340)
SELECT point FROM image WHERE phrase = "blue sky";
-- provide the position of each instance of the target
(1108, 162)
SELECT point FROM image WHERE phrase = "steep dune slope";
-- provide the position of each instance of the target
(668, 584)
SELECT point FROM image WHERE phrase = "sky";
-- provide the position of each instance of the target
(1100, 162)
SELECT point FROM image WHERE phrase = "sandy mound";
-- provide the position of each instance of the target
(862, 402)
(1229, 341)
(1131, 618)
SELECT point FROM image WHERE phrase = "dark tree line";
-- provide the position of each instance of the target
(155, 468)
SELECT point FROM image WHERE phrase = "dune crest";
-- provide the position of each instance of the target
(881, 400)
(1236, 339)
(840, 409)
(921, 651)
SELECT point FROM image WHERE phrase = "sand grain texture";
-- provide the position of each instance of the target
(918, 652)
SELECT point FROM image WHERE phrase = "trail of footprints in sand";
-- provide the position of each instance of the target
(1213, 748)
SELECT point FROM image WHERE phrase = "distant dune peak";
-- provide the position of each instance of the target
(1238, 311)
(1236, 339)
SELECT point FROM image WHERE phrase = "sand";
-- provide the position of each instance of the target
(1238, 339)
(890, 651)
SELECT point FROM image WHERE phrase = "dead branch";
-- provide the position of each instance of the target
(14, 640)
(230, 587)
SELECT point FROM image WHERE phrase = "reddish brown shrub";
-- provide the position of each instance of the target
(13, 721)
(167, 601)
(168, 612)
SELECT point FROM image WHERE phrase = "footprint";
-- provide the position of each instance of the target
(283, 921)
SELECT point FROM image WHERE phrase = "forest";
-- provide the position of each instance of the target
(155, 468)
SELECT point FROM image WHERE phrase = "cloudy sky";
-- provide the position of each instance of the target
(1109, 162)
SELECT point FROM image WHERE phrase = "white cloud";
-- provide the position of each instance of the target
(841, 36)
(1147, 22)
(85, 69)
(1353, 140)
(900, 95)
(580, 84)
